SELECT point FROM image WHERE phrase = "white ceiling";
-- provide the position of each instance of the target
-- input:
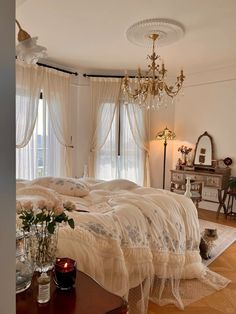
(90, 34)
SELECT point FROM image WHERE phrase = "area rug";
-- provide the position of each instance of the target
(226, 236)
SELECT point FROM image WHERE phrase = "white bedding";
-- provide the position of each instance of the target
(129, 235)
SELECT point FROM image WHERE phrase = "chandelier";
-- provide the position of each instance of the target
(150, 90)
(27, 50)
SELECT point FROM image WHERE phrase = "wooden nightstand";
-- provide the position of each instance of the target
(87, 297)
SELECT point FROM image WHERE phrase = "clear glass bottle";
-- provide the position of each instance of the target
(43, 288)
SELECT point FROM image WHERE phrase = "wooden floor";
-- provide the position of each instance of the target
(223, 301)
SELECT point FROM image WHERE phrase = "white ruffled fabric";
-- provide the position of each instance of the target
(140, 244)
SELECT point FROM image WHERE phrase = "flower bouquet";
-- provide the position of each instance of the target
(41, 221)
(184, 151)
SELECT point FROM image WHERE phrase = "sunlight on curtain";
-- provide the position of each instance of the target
(28, 85)
(56, 91)
(120, 156)
(43, 155)
(131, 156)
(106, 158)
(105, 97)
(139, 122)
(120, 139)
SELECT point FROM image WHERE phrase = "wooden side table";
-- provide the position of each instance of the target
(87, 297)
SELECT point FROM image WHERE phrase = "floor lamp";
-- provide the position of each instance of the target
(165, 135)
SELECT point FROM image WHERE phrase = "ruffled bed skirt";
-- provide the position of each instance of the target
(140, 275)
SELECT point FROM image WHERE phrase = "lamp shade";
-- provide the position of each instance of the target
(27, 49)
(165, 135)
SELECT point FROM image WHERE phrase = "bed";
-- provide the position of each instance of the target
(138, 243)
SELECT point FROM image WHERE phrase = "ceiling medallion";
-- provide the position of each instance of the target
(169, 31)
(149, 90)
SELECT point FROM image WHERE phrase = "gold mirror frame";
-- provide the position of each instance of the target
(203, 154)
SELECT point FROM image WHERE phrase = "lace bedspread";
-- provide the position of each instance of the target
(138, 238)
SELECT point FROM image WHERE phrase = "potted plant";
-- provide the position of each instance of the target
(232, 184)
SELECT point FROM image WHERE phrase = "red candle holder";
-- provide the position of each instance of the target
(65, 273)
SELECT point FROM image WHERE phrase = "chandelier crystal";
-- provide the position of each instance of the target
(150, 91)
(27, 50)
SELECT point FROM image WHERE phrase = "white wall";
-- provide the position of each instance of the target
(209, 104)
(210, 107)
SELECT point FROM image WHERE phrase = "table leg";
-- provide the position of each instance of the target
(221, 199)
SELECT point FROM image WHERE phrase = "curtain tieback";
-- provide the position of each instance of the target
(69, 146)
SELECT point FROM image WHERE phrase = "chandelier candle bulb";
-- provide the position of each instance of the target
(65, 273)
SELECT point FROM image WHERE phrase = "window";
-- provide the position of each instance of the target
(43, 155)
(120, 156)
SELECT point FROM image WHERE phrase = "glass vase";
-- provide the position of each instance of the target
(43, 247)
(184, 159)
(24, 265)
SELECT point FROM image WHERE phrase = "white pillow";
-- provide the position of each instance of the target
(65, 186)
(114, 185)
(90, 181)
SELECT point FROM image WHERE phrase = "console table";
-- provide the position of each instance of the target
(217, 179)
(87, 297)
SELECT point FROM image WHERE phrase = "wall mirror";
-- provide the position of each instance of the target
(203, 151)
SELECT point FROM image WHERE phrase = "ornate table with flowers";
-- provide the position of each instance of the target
(215, 180)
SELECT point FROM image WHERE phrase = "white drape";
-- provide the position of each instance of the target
(30, 81)
(111, 114)
(43, 155)
(56, 94)
(139, 123)
(132, 152)
(104, 97)
(28, 86)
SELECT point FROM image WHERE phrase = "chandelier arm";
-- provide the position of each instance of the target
(148, 90)
(170, 92)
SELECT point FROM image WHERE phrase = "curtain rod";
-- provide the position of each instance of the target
(112, 76)
(55, 68)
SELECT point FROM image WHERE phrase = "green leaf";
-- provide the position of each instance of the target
(71, 223)
(51, 227)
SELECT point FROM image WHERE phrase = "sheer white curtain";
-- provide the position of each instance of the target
(56, 94)
(132, 152)
(120, 143)
(28, 86)
(103, 147)
(139, 123)
(43, 155)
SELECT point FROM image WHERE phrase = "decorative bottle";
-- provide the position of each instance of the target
(43, 288)
(188, 188)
